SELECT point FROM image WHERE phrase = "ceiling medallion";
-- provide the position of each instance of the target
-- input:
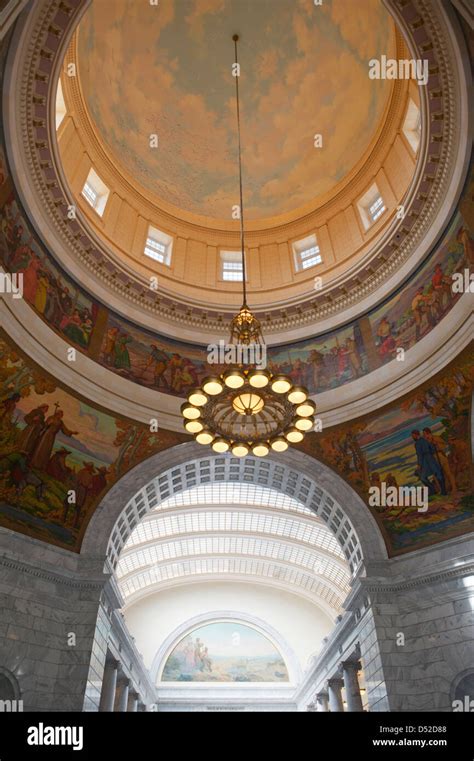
(247, 409)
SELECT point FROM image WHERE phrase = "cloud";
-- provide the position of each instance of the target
(305, 74)
(201, 9)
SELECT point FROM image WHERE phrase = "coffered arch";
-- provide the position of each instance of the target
(231, 530)
(297, 486)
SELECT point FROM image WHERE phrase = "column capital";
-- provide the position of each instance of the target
(351, 665)
(335, 681)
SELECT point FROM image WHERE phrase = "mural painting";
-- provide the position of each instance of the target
(323, 362)
(421, 440)
(225, 651)
(288, 86)
(53, 443)
(411, 313)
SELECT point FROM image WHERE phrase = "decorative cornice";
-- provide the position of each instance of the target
(371, 585)
(55, 577)
(428, 203)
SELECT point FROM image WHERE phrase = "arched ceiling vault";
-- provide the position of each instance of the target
(221, 518)
(286, 543)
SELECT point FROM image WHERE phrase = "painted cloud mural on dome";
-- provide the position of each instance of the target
(296, 59)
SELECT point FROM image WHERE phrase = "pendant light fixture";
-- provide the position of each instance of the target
(247, 409)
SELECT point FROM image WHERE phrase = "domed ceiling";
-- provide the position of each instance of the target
(166, 69)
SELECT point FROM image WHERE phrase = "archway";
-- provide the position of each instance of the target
(181, 485)
(298, 475)
(9, 687)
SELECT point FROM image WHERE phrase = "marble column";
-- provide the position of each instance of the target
(351, 684)
(322, 699)
(132, 702)
(122, 700)
(335, 697)
(109, 686)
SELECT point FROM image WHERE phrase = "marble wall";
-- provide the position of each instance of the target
(411, 620)
(426, 638)
(47, 625)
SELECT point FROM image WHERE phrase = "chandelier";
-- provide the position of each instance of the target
(247, 409)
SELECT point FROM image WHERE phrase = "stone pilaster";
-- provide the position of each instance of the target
(351, 684)
(335, 685)
(109, 685)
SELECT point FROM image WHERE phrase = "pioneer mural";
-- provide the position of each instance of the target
(54, 443)
(225, 651)
(422, 440)
(58, 453)
(321, 362)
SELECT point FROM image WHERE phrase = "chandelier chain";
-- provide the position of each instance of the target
(237, 77)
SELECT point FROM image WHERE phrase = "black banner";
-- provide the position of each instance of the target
(373, 735)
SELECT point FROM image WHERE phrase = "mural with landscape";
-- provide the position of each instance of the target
(174, 367)
(225, 651)
(421, 440)
(53, 441)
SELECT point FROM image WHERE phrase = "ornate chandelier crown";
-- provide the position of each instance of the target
(247, 408)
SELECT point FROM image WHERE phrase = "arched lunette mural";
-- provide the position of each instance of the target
(224, 651)
(53, 441)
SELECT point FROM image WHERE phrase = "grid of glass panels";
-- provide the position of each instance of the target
(90, 194)
(231, 481)
(234, 493)
(236, 566)
(235, 521)
(309, 257)
(234, 545)
(155, 250)
(376, 209)
(232, 271)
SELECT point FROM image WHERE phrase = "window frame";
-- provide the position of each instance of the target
(98, 187)
(160, 239)
(233, 259)
(366, 202)
(305, 251)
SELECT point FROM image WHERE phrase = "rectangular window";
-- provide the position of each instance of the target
(155, 250)
(306, 253)
(158, 246)
(309, 257)
(95, 192)
(376, 209)
(90, 194)
(232, 271)
(231, 266)
(60, 105)
(412, 125)
(371, 206)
